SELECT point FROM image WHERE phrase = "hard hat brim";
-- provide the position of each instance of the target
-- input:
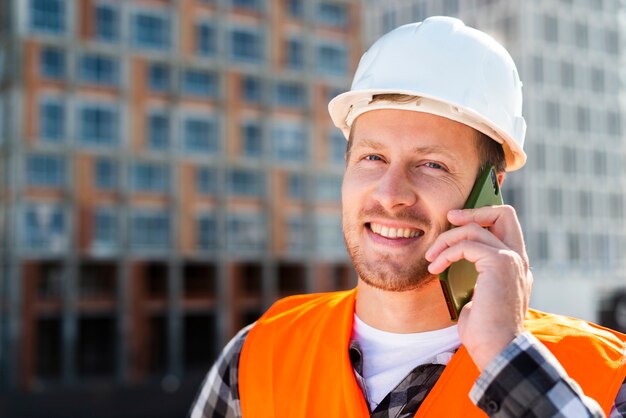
(344, 104)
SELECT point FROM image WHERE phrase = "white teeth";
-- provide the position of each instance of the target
(393, 232)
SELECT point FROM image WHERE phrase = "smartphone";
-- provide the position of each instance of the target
(458, 280)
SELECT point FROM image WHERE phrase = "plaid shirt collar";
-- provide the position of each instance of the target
(404, 400)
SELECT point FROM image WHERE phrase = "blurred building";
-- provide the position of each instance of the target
(167, 170)
(570, 195)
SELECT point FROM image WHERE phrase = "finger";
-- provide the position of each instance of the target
(478, 253)
(468, 232)
(501, 220)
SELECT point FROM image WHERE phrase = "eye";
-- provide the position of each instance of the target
(373, 157)
(434, 165)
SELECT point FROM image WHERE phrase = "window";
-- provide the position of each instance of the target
(49, 359)
(552, 115)
(107, 23)
(295, 54)
(51, 121)
(555, 202)
(98, 125)
(332, 59)
(337, 146)
(200, 135)
(290, 143)
(200, 83)
(419, 12)
(333, 14)
(583, 119)
(569, 160)
(2, 125)
(512, 195)
(105, 175)
(329, 236)
(600, 248)
(616, 206)
(245, 183)
(150, 231)
(584, 203)
(538, 69)
(246, 45)
(550, 29)
(296, 8)
(48, 16)
(539, 157)
(206, 225)
(573, 246)
(296, 186)
(290, 94)
(46, 171)
(99, 69)
(159, 77)
(252, 140)
(158, 132)
(328, 188)
(599, 163)
(251, 89)
(52, 63)
(105, 229)
(567, 74)
(206, 181)
(296, 236)
(206, 41)
(151, 31)
(597, 79)
(543, 245)
(150, 177)
(44, 228)
(245, 232)
(248, 4)
(451, 7)
(581, 35)
(611, 41)
(613, 124)
(389, 20)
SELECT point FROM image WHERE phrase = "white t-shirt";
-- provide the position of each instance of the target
(388, 357)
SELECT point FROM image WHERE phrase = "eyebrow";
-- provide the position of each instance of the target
(428, 149)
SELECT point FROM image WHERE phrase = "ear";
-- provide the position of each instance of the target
(501, 178)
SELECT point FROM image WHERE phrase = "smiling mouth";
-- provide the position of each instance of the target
(394, 233)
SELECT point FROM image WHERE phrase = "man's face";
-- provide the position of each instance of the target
(404, 172)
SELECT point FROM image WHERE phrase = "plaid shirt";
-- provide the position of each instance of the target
(525, 380)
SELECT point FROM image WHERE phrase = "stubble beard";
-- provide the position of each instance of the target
(384, 273)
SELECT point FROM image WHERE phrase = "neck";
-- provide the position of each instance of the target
(417, 310)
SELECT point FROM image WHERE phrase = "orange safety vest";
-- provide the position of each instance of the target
(295, 362)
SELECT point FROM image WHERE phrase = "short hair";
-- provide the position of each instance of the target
(490, 151)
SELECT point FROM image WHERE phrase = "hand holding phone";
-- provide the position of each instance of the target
(458, 280)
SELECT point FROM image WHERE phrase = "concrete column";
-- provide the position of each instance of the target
(175, 318)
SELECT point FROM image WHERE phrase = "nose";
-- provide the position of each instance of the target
(394, 189)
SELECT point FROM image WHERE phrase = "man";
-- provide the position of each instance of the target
(431, 104)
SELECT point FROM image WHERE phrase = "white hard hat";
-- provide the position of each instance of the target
(456, 71)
